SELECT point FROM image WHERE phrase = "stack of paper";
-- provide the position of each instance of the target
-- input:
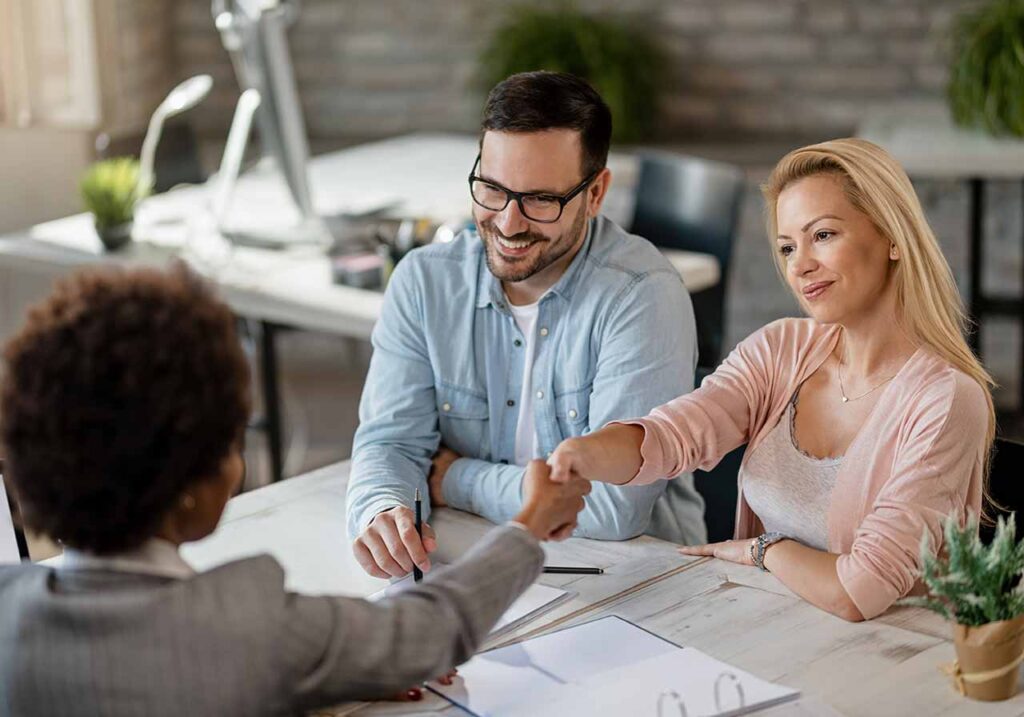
(606, 667)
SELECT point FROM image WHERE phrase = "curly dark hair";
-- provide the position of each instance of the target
(122, 389)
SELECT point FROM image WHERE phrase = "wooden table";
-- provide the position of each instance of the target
(422, 175)
(888, 666)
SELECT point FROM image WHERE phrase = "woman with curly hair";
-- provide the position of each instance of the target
(124, 401)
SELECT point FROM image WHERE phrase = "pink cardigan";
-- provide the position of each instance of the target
(918, 457)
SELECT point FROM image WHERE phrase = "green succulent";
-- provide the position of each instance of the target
(617, 57)
(971, 583)
(109, 190)
(986, 85)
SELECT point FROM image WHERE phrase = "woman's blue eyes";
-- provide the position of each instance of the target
(820, 235)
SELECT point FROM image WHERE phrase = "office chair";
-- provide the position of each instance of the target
(719, 487)
(692, 204)
(1005, 485)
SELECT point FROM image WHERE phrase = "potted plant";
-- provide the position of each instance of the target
(618, 58)
(979, 588)
(986, 85)
(109, 190)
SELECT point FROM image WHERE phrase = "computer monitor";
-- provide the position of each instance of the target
(253, 32)
(13, 546)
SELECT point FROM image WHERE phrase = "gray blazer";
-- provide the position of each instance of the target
(233, 641)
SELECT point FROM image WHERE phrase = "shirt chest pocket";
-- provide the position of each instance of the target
(464, 422)
(572, 409)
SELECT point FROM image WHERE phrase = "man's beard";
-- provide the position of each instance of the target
(513, 269)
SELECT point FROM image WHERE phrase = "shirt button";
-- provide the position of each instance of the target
(517, 342)
(544, 331)
(540, 394)
(572, 413)
(510, 403)
(446, 407)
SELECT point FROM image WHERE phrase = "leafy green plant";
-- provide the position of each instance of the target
(618, 58)
(109, 190)
(973, 584)
(986, 86)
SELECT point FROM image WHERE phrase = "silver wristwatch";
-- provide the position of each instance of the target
(760, 544)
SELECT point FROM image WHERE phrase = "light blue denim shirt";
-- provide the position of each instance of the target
(615, 338)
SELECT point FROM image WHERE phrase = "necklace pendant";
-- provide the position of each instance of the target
(845, 399)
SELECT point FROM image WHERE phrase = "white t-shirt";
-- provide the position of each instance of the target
(526, 432)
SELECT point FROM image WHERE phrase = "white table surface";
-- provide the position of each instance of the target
(930, 144)
(421, 175)
(888, 666)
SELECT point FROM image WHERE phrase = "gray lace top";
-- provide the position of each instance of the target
(790, 490)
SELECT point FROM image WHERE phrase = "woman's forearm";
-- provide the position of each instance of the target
(812, 575)
(616, 458)
(609, 455)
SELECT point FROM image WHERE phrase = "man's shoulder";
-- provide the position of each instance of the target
(621, 265)
(463, 249)
(615, 250)
(443, 265)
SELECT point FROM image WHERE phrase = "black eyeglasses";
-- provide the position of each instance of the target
(536, 206)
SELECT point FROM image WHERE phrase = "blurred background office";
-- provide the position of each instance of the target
(735, 81)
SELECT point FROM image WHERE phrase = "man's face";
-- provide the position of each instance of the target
(548, 162)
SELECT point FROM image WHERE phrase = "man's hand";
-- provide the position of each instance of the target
(390, 545)
(610, 455)
(442, 462)
(549, 508)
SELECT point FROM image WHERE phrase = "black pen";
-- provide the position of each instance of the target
(573, 571)
(417, 574)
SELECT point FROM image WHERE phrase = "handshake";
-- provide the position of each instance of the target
(390, 545)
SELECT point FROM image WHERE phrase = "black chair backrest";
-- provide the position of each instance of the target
(692, 204)
(8, 503)
(719, 487)
(1006, 484)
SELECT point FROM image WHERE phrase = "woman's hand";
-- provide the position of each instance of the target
(735, 551)
(610, 455)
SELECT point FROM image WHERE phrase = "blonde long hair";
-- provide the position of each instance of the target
(928, 305)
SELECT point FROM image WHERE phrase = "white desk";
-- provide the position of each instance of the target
(417, 175)
(888, 666)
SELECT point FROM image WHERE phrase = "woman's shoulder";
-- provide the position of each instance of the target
(791, 340)
(930, 383)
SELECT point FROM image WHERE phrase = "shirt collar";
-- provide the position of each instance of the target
(490, 293)
(154, 557)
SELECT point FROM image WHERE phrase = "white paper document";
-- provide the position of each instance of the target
(605, 667)
(537, 600)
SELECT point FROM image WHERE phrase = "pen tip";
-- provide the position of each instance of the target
(417, 494)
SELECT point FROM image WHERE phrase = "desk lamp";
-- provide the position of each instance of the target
(183, 97)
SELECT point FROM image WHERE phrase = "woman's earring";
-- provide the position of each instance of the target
(188, 502)
(893, 252)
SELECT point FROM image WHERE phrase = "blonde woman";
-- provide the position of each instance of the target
(865, 424)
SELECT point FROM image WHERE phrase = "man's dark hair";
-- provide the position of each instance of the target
(122, 389)
(536, 101)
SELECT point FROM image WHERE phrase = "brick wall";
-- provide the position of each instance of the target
(739, 68)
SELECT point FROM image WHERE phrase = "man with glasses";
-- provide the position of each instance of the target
(546, 322)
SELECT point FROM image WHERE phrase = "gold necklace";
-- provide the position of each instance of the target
(842, 391)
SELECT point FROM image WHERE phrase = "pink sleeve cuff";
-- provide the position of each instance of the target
(869, 593)
(652, 454)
